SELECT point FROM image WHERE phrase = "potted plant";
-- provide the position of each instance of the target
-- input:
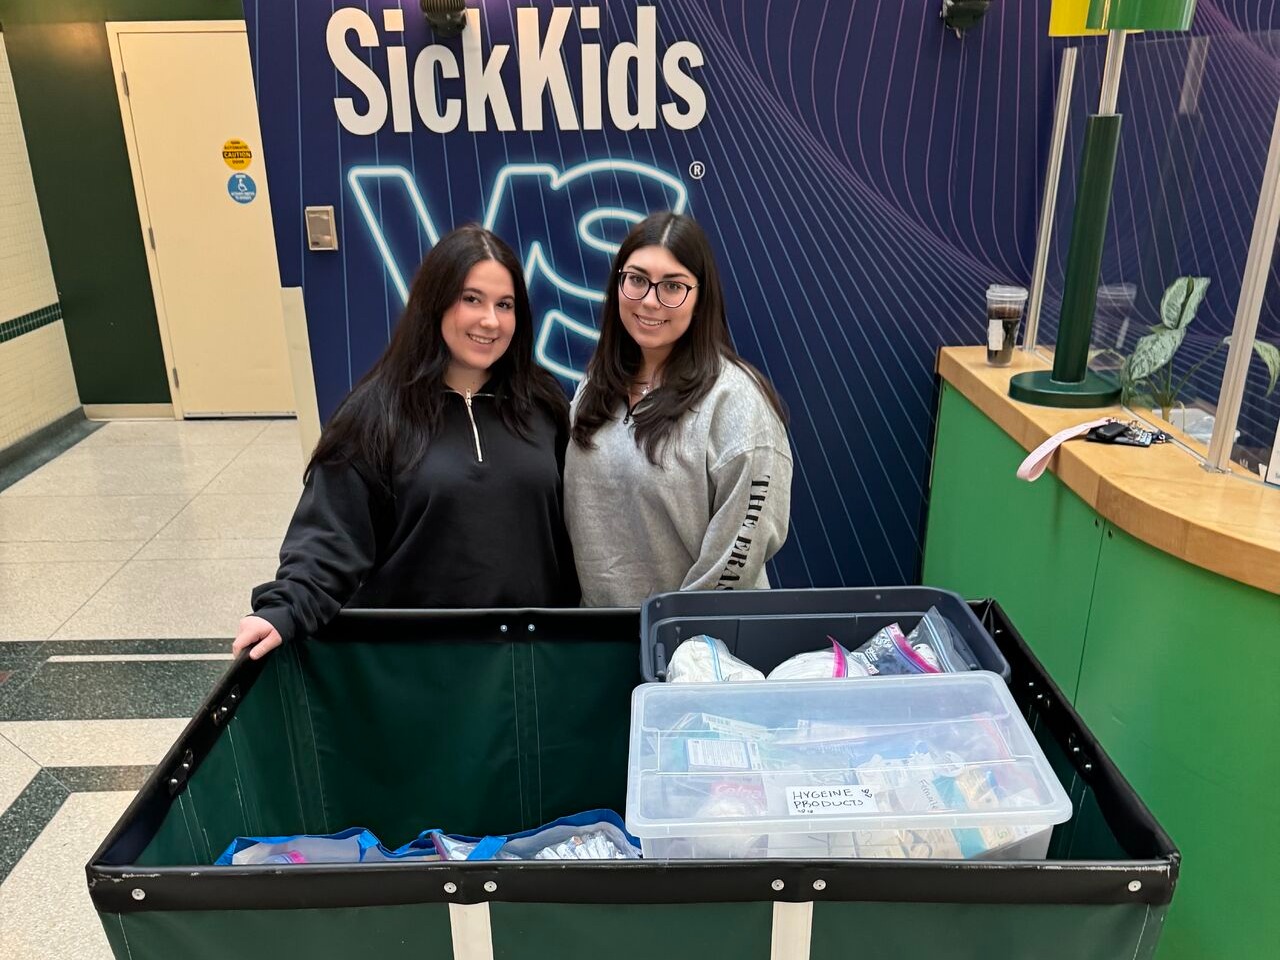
(1148, 374)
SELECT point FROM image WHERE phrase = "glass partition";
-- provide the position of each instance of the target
(1198, 114)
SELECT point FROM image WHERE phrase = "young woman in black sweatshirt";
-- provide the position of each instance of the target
(437, 482)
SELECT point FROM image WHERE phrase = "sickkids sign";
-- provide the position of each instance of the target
(392, 77)
(559, 126)
(627, 80)
(628, 73)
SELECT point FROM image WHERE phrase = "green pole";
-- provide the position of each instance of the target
(1084, 256)
(1071, 383)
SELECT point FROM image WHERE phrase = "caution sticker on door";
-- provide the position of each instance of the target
(242, 188)
(237, 154)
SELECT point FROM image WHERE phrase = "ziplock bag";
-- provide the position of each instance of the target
(705, 660)
(939, 643)
(821, 665)
(889, 652)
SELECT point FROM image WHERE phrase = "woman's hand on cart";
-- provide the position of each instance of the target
(257, 634)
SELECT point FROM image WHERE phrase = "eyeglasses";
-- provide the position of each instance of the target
(671, 293)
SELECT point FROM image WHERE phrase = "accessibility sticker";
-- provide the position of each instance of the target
(242, 188)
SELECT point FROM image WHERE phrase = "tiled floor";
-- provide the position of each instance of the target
(125, 563)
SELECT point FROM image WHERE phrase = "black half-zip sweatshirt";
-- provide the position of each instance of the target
(478, 523)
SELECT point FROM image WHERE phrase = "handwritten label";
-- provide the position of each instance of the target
(830, 801)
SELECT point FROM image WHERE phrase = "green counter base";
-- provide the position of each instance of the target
(1041, 389)
(1069, 587)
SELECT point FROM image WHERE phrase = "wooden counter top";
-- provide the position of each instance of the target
(1161, 495)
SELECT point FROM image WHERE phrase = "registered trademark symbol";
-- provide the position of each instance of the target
(697, 169)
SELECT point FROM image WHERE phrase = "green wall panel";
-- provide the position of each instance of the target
(66, 94)
(1194, 730)
(1032, 546)
(1145, 633)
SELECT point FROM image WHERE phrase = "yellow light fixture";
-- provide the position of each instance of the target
(1070, 18)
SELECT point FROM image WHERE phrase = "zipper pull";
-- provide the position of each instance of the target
(475, 430)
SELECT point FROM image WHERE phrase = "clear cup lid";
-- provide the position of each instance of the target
(1006, 294)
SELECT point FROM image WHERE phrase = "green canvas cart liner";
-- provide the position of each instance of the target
(491, 722)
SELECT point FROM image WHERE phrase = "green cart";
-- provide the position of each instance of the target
(488, 722)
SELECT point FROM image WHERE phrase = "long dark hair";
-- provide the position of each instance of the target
(386, 422)
(690, 371)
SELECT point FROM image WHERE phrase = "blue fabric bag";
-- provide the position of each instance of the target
(356, 845)
(593, 835)
(596, 834)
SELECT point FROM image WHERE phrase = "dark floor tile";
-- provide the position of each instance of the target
(31, 454)
(18, 662)
(111, 691)
(63, 648)
(27, 816)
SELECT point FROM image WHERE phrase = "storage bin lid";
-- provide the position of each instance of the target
(881, 753)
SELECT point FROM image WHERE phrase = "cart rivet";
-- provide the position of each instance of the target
(503, 628)
(450, 888)
(186, 766)
(532, 628)
(777, 884)
(819, 884)
(490, 886)
(139, 893)
(173, 781)
(1075, 749)
(1135, 886)
(1088, 767)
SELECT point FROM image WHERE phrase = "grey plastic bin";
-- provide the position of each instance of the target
(766, 627)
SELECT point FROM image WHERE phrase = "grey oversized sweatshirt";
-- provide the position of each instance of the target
(708, 518)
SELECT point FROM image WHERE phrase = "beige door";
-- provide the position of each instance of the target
(185, 95)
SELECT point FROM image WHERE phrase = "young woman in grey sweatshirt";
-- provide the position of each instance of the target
(678, 476)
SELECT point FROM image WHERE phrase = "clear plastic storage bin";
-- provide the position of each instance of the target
(927, 767)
